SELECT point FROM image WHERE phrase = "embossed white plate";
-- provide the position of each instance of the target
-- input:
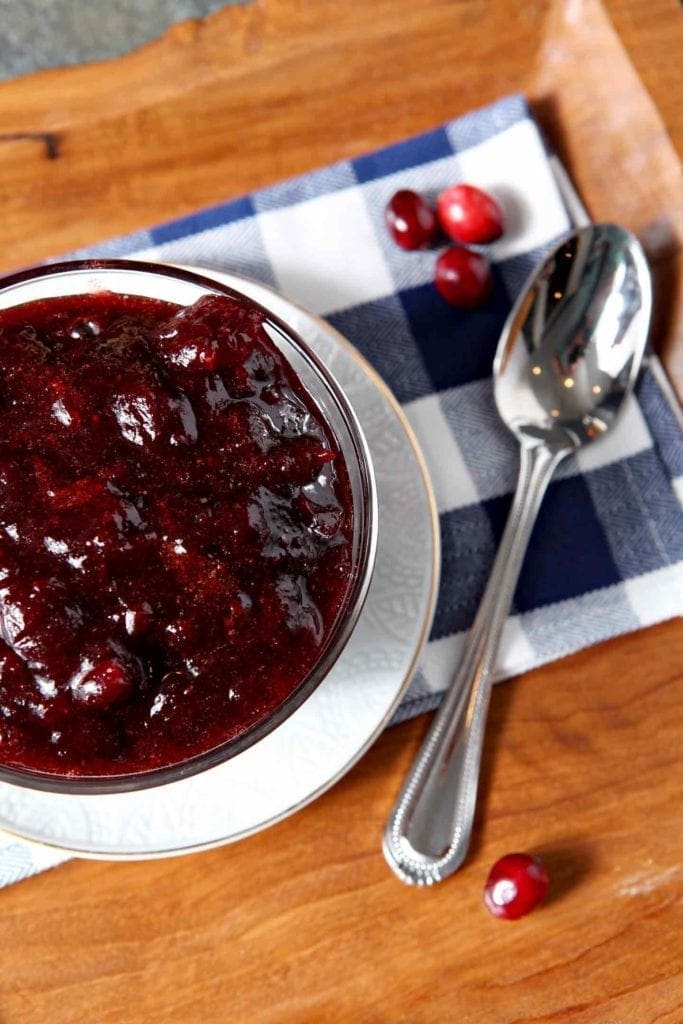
(321, 741)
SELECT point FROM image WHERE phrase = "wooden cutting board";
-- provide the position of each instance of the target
(304, 922)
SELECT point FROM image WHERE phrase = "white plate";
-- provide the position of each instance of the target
(321, 741)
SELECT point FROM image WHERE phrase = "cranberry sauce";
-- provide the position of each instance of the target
(175, 523)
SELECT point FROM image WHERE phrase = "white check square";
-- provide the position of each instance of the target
(656, 596)
(324, 252)
(452, 482)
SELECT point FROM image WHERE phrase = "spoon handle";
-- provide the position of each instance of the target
(428, 831)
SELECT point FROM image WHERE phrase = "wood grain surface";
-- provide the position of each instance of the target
(304, 923)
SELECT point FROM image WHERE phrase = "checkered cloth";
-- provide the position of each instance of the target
(607, 553)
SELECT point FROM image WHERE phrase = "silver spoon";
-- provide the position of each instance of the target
(567, 360)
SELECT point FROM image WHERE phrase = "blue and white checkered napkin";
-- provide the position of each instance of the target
(607, 553)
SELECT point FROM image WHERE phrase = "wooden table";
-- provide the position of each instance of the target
(304, 922)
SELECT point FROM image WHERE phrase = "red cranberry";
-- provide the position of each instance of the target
(410, 219)
(324, 520)
(516, 884)
(202, 338)
(105, 684)
(463, 278)
(469, 215)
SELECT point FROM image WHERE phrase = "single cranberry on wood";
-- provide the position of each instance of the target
(516, 884)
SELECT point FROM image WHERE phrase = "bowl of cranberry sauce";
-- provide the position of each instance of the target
(187, 524)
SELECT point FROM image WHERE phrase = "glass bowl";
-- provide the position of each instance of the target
(182, 287)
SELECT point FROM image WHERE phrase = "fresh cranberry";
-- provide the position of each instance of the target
(469, 215)
(463, 278)
(516, 884)
(410, 219)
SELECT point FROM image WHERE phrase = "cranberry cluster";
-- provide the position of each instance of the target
(468, 216)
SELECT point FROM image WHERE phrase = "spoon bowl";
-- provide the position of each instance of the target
(573, 343)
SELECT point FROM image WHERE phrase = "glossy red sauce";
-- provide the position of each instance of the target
(175, 524)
